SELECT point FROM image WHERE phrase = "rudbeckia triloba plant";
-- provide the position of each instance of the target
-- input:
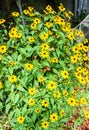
(44, 72)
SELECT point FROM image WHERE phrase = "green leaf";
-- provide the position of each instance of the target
(61, 34)
(12, 96)
(50, 39)
(44, 64)
(55, 71)
(52, 101)
(46, 17)
(38, 128)
(16, 98)
(11, 114)
(62, 63)
(19, 58)
(22, 51)
(57, 52)
(8, 106)
(28, 48)
(1, 106)
(39, 26)
(21, 89)
(65, 119)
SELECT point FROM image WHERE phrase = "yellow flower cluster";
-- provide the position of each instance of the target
(82, 74)
(35, 22)
(43, 69)
(53, 118)
(14, 33)
(29, 11)
(44, 50)
(49, 10)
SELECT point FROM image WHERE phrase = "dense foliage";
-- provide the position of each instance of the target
(43, 70)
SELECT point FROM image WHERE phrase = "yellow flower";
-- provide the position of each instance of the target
(77, 102)
(44, 36)
(67, 15)
(33, 26)
(36, 21)
(3, 49)
(13, 78)
(44, 103)
(83, 101)
(85, 48)
(14, 29)
(29, 66)
(78, 56)
(71, 36)
(2, 21)
(79, 69)
(71, 13)
(66, 28)
(86, 113)
(48, 24)
(80, 46)
(79, 33)
(15, 14)
(78, 75)
(73, 59)
(13, 34)
(30, 8)
(75, 49)
(51, 85)
(53, 117)
(74, 92)
(60, 21)
(13, 63)
(26, 11)
(54, 60)
(31, 91)
(1, 86)
(37, 110)
(41, 79)
(61, 8)
(71, 101)
(65, 93)
(85, 40)
(85, 71)
(57, 94)
(31, 102)
(48, 8)
(44, 46)
(20, 119)
(18, 35)
(31, 39)
(62, 113)
(64, 74)
(45, 124)
(44, 54)
(31, 14)
(82, 80)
